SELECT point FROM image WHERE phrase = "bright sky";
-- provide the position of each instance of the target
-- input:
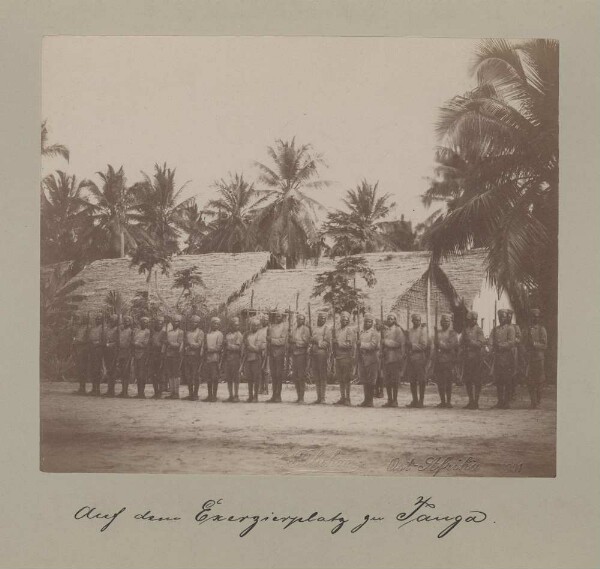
(209, 106)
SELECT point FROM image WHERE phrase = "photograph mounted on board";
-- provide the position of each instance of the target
(299, 256)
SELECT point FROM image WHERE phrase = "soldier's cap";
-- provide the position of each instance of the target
(345, 314)
(415, 316)
(510, 311)
(145, 319)
(215, 320)
(263, 316)
(126, 318)
(368, 316)
(159, 319)
(235, 320)
(196, 319)
(254, 321)
(393, 316)
(176, 318)
(446, 317)
(535, 312)
(472, 315)
(300, 315)
(502, 311)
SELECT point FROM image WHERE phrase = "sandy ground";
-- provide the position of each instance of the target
(91, 434)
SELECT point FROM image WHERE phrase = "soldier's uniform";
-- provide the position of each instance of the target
(392, 354)
(173, 352)
(537, 344)
(214, 347)
(319, 356)
(368, 362)
(96, 347)
(123, 368)
(263, 385)
(110, 353)
(141, 340)
(155, 363)
(254, 347)
(233, 349)
(419, 348)
(192, 354)
(516, 350)
(278, 338)
(446, 349)
(300, 339)
(472, 343)
(344, 361)
(503, 343)
(81, 350)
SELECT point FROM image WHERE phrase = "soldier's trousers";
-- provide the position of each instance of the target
(232, 368)
(367, 374)
(122, 372)
(299, 373)
(277, 365)
(344, 367)
(503, 376)
(155, 373)
(81, 365)
(96, 362)
(319, 371)
(173, 364)
(211, 370)
(391, 373)
(444, 373)
(472, 371)
(415, 369)
(191, 376)
(140, 372)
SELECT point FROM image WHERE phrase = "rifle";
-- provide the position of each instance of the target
(309, 350)
(183, 346)
(381, 338)
(407, 351)
(244, 340)
(288, 368)
(433, 355)
(357, 347)
(494, 341)
(268, 345)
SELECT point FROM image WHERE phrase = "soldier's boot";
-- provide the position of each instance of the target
(215, 390)
(421, 394)
(124, 389)
(196, 388)
(370, 394)
(477, 389)
(348, 400)
(301, 391)
(413, 390)
(175, 388)
(533, 397)
(500, 395)
(279, 388)
(156, 387)
(366, 396)
(110, 392)
(471, 403)
(141, 389)
(442, 393)
(342, 399)
(390, 397)
(236, 390)
(449, 395)
(273, 398)
(250, 392)
(395, 395)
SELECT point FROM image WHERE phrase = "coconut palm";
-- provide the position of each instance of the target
(50, 150)
(114, 208)
(287, 226)
(359, 229)
(193, 224)
(232, 230)
(63, 217)
(160, 207)
(498, 168)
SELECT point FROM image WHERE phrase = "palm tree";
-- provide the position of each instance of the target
(193, 224)
(148, 257)
(161, 210)
(232, 230)
(287, 226)
(498, 169)
(63, 217)
(360, 229)
(115, 212)
(52, 149)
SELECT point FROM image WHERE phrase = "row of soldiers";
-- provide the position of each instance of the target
(162, 353)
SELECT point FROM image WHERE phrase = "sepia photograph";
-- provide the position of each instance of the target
(299, 256)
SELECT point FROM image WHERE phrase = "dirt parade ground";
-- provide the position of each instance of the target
(93, 434)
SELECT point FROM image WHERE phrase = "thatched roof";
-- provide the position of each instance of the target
(395, 273)
(224, 274)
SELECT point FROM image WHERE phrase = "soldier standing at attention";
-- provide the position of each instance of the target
(419, 348)
(173, 352)
(254, 348)
(81, 350)
(537, 344)
(344, 344)
(392, 354)
(299, 341)
(379, 326)
(278, 337)
(320, 342)
(263, 327)
(503, 343)
(141, 339)
(446, 349)
(124, 355)
(233, 350)
(155, 362)
(472, 343)
(213, 350)
(516, 369)
(368, 361)
(96, 352)
(192, 356)
(110, 352)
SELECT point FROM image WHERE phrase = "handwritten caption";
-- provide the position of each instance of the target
(213, 512)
